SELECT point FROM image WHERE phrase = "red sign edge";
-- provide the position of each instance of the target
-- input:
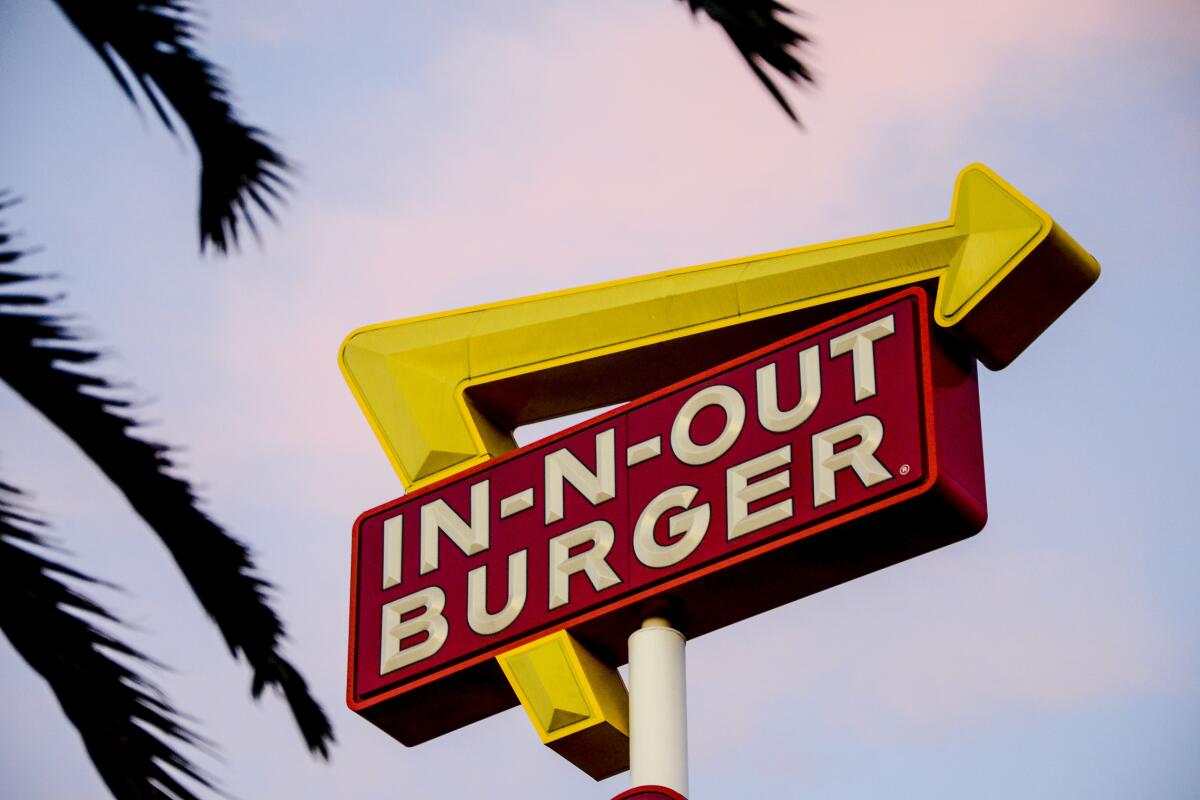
(648, 791)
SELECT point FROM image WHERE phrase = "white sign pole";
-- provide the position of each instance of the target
(657, 707)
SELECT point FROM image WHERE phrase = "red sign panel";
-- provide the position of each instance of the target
(815, 460)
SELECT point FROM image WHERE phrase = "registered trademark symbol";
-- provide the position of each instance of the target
(904, 469)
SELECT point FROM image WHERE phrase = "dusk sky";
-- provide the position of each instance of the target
(459, 153)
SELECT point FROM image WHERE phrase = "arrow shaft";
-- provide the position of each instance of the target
(508, 338)
(443, 392)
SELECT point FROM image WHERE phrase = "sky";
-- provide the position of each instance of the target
(453, 154)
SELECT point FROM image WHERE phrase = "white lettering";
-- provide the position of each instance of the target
(861, 342)
(563, 467)
(478, 617)
(393, 540)
(741, 490)
(860, 457)
(591, 561)
(810, 393)
(728, 399)
(393, 654)
(470, 537)
(687, 528)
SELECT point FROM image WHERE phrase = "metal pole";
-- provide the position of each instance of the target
(657, 707)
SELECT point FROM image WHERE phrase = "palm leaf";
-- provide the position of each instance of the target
(128, 728)
(43, 363)
(152, 43)
(762, 38)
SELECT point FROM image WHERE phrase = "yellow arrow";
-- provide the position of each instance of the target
(444, 392)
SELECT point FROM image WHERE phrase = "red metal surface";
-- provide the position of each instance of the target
(649, 793)
(926, 398)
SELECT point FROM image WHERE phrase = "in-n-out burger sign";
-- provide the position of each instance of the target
(820, 458)
(806, 463)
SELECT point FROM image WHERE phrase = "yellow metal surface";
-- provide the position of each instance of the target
(433, 387)
(545, 679)
(577, 704)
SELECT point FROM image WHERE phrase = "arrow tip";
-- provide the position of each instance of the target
(1015, 271)
(1000, 227)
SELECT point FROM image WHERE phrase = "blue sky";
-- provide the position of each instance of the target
(451, 157)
